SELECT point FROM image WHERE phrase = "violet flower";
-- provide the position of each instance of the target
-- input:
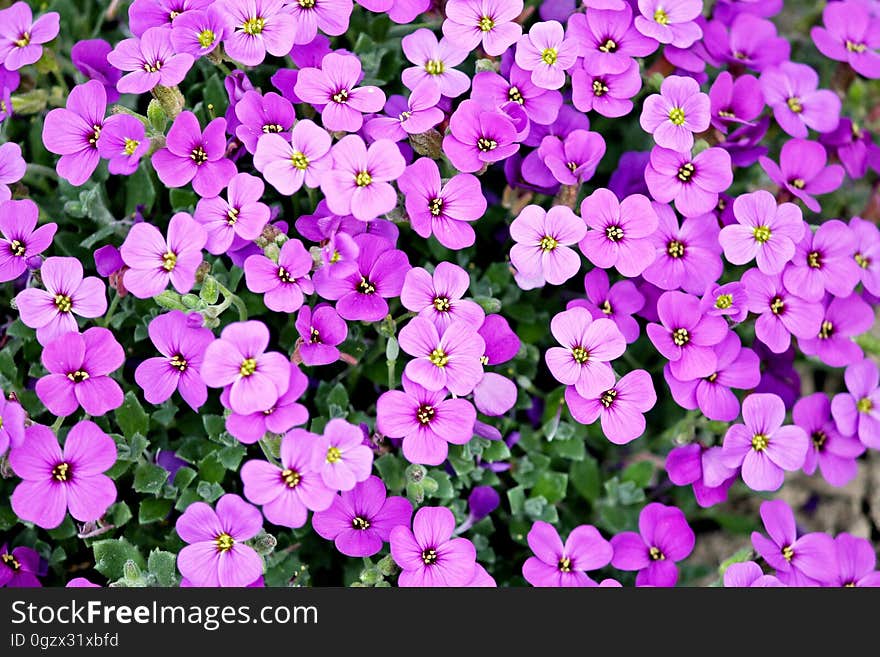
(428, 555)
(857, 411)
(19, 567)
(735, 102)
(492, 91)
(832, 452)
(557, 565)
(279, 418)
(670, 21)
(823, 262)
(259, 27)
(74, 130)
(620, 232)
(844, 319)
(617, 302)
(850, 34)
(12, 415)
(288, 164)
(676, 113)
(198, 33)
(261, 115)
(573, 160)
(20, 239)
(748, 574)
(704, 469)
(450, 359)
(240, 215)
(434, 61)
(608, 94)
(22, 37)
(791, 90)
(89, 56)
(478, 137)
(620, 409)
(438, 296)
(152, 60)
(867, 253)
(803, 172)
(408, 116)
(542, 252)
(694, 183)
(329, 16)
(751, 41)
(321, 330)
(470, 23)
(856, 561)
(341, 457)
(284, 283)
(123, 142)
(547, 53)
(608, 40)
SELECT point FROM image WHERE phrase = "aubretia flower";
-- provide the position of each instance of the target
(676, 113)
(329, 16)
(284, 283)
(442, 210)
(152, 61)
(89, 56)
(856, 561)
(434, 61)
(692, 182)
(259, 27)
(281, 416)
(850, 34)
(735, 102)
(428, 555)
(620, 231)
(12, 168)
(123, 142)
(19, 567)
(670, 22)
(426, 421)
(555, 564)
(321, 330)
(802, 171)
(790, 89)
(197, 33)
(470, 23)
(288, 164)
(216, 554)
(704, 470)
(823, 262)
(333, 89)
(360, 520)
(73, 131)
(79, 367)
(730, 300)
(341, 457)
(287, 493)
(834, 453)
(183, 349)
(449, 359)
(620, 408)
(12, 417)
(752, 42)
(241, 214)
(762, 446)
(542, 252)
(492, 91)
(438, 296)
(22, 37)
(153, 261)
(608, 40)
(588, 346)
(857, 411)
(664, 538)
(56, 480)
(21, 239)
(844, 319)
(191, 155)
(607, 94)
(260, 115)
(867, 253)
(547, 53)
(617, 302)
(408, 116)
(573, 160)
(478, 137)
(748, 574)
(144, 14)
(239, 359)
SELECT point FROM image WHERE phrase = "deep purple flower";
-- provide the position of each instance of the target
(608, 40)
(844, 319)
(492, 91)
(73, 132)
(620, 232)
(803, 172)
(853, 145)
(280, 417)
(542, 252)
(735, 102)
(833, 453)
(259, 27)
(478, 137)
(850, 34)
(856, 561)
(782, 314)
(470, 23)
(607, 94)
(676, 113)
(617, 302)
(22, 37)
(704, 469)
(692, 182)
(123, 142)
(547, 53)
(288, 164)
(341, 457)
(19, 567)
(90, 58)
(283, 283)
(321, 330)
(21, 239)
(823, 262)
(857, 411)
(555, 564)
(152, 61)
(791, 90)
(260, 115)
(751, 42)
(620, 409)
(434, 61)
(428, 555)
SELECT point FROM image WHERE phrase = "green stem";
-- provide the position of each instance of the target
(57, 424)
(112, 309)
(41, 170)
(235, 300)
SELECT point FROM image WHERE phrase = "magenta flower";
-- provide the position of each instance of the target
(823, 261)
(329, 16)
(573, 160)
(320, 330)
(434, 61)
(259, 27)
(341, 457)
(478, 136)
(239, 359)
(191, 155)
(73, 132)
(19, 567)
(843, 320)
(123, 142)
(620, 409)
(547, 53)
(542, 253)
(470, 23)
(867, 253)
(379, 275)
(782, 314)
(856, 561)
(762, 446)
(664, 538)
(79, 367)
(588, 346)
(260, 115)
(153, 261)
(89, 56)
(21, 239)
(198, 32)
(51, 311)
(832, 452)
(493, 91)
(450, 359)
(857, 411)
(764, 232)
(748, 574)
(12, 168)
(359, 183)
(183, 350)
(12, 417)
(704, 469)
(438, 296)
(802, 171)
(694, 183)
(282, 416)
(850, 34)
(557, 565)
(428, 555)
(55, 481)
(332, 89)
(22, 37)
(144, 14)
(608, 94)
(216, 554)
(152, 61)
(408, 116)
(730, 300)
(608, 40)
(671, 22)
(442, 210)
(620, 232)
(287, 493)
(426, 421)
(242, 215)
(737, 101)
(360, 521)
(283, 284)
(617, 302)
(685, 336)
(790, 89)
(676, 113)
(805, 561)
(289, 164)
(752, 42)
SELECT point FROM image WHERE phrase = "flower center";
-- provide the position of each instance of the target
(254, 26)
(760, 442)
(153, 67)
(10, 561)
(333, 455)
(681, 337)
(726, 114)
(814, 259)
(486, 145)
(826, 330)
(656, 554)
(865, 405)
(363, 179)
(762, 234)
(798, 183)
(62, 472)
(572, 166)
(434, 67)
(24, 40)
(514, 95)
(441, 304)
(548, 243)
(341, 96)
(314, 336)
(248, 367)
(606, 307)
(724, 301)
(819, 438)
(439, 357)
(608, 397)
(564, 565)
(599, 88)
(299, 160)
(686, 171)
(610, 45)
(660, 16)
(861, 260)
(130, 146)
(272, 128)
(63, 303)
(425, 414)
(366, 287)
(435, 205)
(206, 38)
(78, 376)
(169, 260)
(179, 362)
(795, 105)
(307, 4)
(224, 542)
(232, 216)
(614, 233)
(580, 355)
(284, 275)
(291, 478)
(486, 23)
(198, 155)
(359, 522)
(96, 134)
(676, 115)
(403, 116)
(429, 556)
(675, 249)
(712, 377)
(777, 305)
(788, 553)
(852, 46)
(549, 56)
(17, 248)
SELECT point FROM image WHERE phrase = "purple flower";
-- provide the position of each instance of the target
(620, 232)
(762, 446)
(284, 414)
(478, 137)
(748, 574)
(664, 538)
(790, 89)
(329, 16)
(360, 520)
(547, 53)
(482, 501)
(450, 359)
(542, 252)
(802, 171)
(341, 457)
(735, 102)
(321, 330)
(608, 40)
(573, 160)
(588, 346)
(261, 115)
(242, 215)
(439, 296)
(692, 182)
(853, 145)
(730, 299)
(704, 469)
(857, 411)
(607, 94)
(408, 116)
(670, 21)
(79, 367)
(426, 421)
(239, 359)
(620, 408)
(332, 88)
(55, 481)
(51, 311)
(21, 239)
(183, 349)
(492, 91)
(823, 262)
(752, 42)
(123, 143)
(685, 336)
(73, 132)
(834, 453)
(259, 27)
(12, 417)
(153, 261)
(844, 319)
(617, 302)
(764, 232)
(851, 35)
(287, 493)
(152, 61)
(284, 283)
(856, 561)
(470, 23)
(22, 37)
(676, 113)
(216, 554)
(19, 567)
(555, 564)
(867, 253)
(434, 61)
(144, 14)
(805, 561)
(287, 165)
(12, 168)
(782, 314)
(197, 33)
(90, 58)
(427, 554)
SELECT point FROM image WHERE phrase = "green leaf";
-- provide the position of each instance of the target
(214, 425)
(181, 199)
(338, 396)
(162, 565)
(211, 469)
(152, 509)
(148, 478)
(65, 530)
(741, 555)
(111, 555)
(497, 450)
(139, 191)
(209, 491)
(131, 417)
(184, 477)
(391, 470)
(585, 478)
(551, 486)
(516, 496)
(572, 448)
(231, 456)
(639, 473)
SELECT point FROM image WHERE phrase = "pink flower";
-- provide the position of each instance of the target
(621, 231)
(547, 53)
(542, 252)
(674, 115)
(490, 22)
(284, 283)
(287, 165)
(450, 359)
(341, 457)
(241, 214)
(620, 409)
